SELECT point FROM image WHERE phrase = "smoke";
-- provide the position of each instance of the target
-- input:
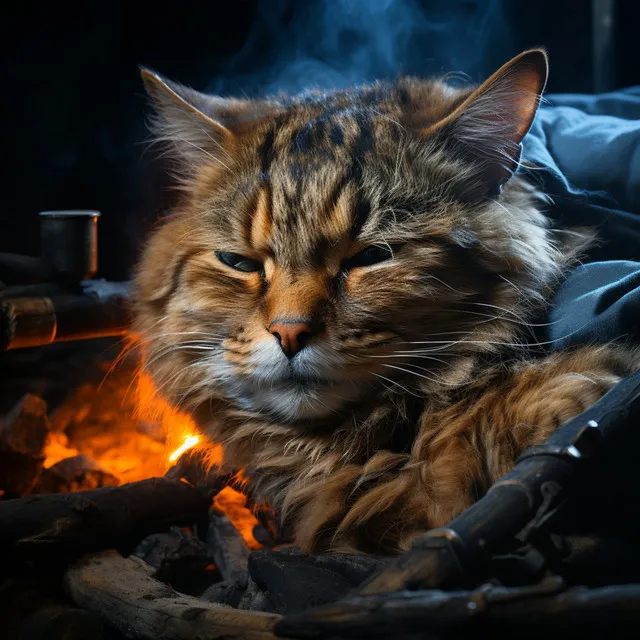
(301, 44)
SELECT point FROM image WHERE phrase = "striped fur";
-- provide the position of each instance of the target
(420, 384)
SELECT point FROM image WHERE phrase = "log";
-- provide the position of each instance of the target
(230, 551)
(489, 611)
(72, 524)
(41, 320)
(122, 592)
(23, 436)
(26, 427)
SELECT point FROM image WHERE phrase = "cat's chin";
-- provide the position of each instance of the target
(296, 402)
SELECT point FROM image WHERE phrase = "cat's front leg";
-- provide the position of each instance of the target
(465, 448)
(358, 507)
(460, 450)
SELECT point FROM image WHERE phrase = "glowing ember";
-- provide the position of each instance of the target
(189, 443)
(57, 449)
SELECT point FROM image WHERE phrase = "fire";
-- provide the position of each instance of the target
(189, 443)
(135, 436)
(57, 449)
(180, 433)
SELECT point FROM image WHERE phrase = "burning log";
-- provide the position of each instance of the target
(122, 592)
(23, 436)
(75, 523)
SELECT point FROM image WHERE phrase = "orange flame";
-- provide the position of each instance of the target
(189, 443)
(131, 459)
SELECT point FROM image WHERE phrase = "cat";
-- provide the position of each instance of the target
(343, 298)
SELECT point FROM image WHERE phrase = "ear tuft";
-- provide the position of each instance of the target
(186, 121)
(489, 125)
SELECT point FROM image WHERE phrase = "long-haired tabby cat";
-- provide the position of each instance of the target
(343, 297)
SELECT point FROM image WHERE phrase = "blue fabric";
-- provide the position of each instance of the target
(585, 152)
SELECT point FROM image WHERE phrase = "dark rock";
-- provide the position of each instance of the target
(227, 592)
(295, 581)
(255, 598)
(78, 473)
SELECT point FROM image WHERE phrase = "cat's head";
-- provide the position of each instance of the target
(329, 246)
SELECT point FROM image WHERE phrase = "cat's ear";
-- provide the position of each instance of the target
(197, 125)
(490, 123)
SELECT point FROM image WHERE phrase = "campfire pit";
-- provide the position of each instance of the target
(108, 466)
(112, 527)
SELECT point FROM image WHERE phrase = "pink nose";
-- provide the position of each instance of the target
(292, 335)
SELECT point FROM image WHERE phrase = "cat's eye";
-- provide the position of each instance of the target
(236, 261)
(370, 255)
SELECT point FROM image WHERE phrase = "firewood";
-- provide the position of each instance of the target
(26, 427)
(122, 592)
(72, 524)
(23, 435)
(230, 551)
(486, 612)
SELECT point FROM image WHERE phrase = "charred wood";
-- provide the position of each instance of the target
(230, 551)
(294, 581)
(497, 611)
(26, 427)
(180, 559)
(23, 435)
(67, 525)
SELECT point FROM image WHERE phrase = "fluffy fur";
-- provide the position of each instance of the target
(421, 381)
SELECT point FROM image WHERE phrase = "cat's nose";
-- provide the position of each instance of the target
(292, 335)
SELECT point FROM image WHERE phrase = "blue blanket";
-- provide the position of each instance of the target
(587, 155)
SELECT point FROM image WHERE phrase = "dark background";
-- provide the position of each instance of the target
(72, 111)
